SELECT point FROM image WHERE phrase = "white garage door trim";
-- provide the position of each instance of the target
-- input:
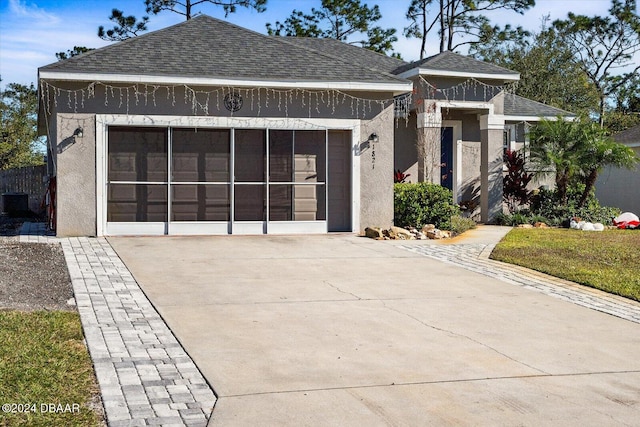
(172, 227)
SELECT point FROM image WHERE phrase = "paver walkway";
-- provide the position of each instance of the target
(145, 376)
(475, 257)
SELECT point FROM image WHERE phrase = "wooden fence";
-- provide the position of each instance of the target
(30, 180)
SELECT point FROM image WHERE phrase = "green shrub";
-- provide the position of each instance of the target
(546, 207)
(546, 203)
(417, 204)
(460, 224)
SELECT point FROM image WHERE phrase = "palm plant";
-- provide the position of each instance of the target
(576, 151)
(555, 146)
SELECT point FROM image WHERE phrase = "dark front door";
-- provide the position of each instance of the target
(446, 158)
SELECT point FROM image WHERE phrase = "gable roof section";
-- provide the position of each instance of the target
(524, 108)
(205, 50)
(450, 64)
(629, 137)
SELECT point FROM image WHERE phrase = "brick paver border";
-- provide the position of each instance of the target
(145, 376)
(475, 257)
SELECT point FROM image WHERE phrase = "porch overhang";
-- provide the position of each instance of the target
(415, 72)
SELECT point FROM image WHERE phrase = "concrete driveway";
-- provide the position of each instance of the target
(342, 330)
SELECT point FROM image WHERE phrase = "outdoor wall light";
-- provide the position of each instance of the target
(78, 132)
(373, 137)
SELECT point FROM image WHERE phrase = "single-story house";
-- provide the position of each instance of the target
(620, 187)
(209, 128)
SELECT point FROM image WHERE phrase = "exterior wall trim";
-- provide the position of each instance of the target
(534, 119)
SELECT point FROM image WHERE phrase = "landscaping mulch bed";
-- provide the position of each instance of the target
(33, 276)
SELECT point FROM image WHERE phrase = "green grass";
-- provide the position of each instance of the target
(608, 260)
(43, 361)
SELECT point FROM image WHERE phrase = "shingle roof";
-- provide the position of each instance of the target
(631, 135)
(450, 61)
(205, 47)
(515, 105)
(347, 52)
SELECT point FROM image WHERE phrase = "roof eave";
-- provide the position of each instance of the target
(419, 71)
(529, 118)
(396, 87)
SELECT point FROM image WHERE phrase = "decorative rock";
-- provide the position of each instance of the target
(71, 302)
(540, 225)
(401, 232)
(525, 226)
(428, 227)
(446, 234)
(373, 232)
(434, 234)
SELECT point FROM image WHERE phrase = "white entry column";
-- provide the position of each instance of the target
(429, 138)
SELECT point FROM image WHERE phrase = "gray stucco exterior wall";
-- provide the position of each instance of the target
(620, 187)
(76, 175)
(376, 172)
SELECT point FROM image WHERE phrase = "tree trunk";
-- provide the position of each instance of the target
(424, 33)
(561, 186)
(452, 12)
(590, 182)
(442, 27)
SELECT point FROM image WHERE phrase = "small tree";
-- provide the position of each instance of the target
(19, 144)
(515, 192)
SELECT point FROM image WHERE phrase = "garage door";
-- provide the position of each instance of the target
(219, 181)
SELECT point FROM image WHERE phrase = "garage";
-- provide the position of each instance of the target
(210, 180)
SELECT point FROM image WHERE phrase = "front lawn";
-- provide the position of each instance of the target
(46, 374)
(608, 260)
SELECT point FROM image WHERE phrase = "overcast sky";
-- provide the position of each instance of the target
(32, 31)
